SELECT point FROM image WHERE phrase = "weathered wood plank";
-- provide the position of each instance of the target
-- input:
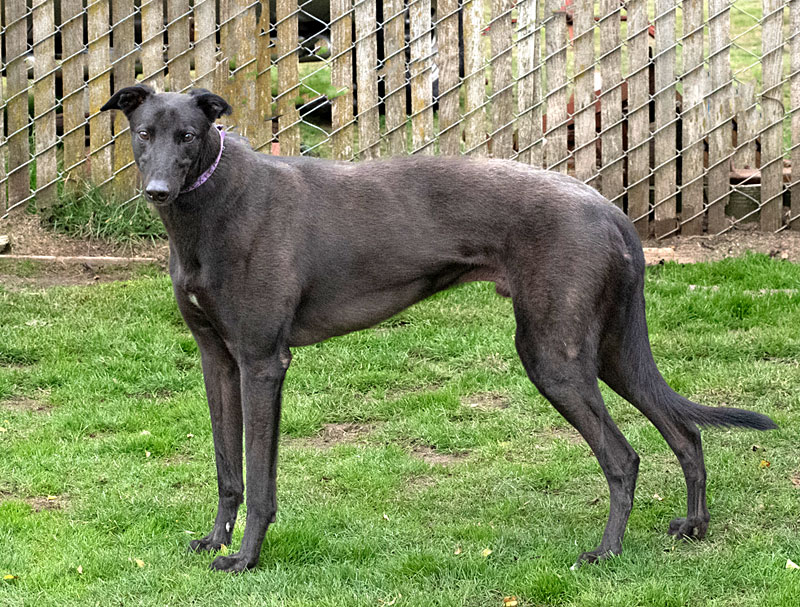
(772, 116)
(719, 114)
(72, 65)
(585, 121)
(178, 59)
(449, 81)
(611, 102)
(638, 118)
(394, 16)
(124, 75)
(665, 153)
(44, 102)
(555, 27)
(529, 91)
(369, 126)
(3, 154)
(474, 80)
(744, 157)
(288, 77)
(264, 82)
(502, 100)
(17, 103)
(794, 53)
(244, 99)
(153, 43)
(342, 78)
(421, 74)
(99, 92)
(694, 89)
(205, 43)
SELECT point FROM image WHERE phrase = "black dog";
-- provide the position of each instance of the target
(269, 253)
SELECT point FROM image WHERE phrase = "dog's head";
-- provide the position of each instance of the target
(169, 133)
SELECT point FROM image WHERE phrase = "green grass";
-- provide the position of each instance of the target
(102, 409)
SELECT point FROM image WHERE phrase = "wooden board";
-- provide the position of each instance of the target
(369, 125)
(124, 75)
(693, 123)
(99, 92)
(794, 54)
(744, 156)
(73, 62)
(263, 82)
(421, 74)
(449, 81)
(555, 27)
(44, 103)
(205, 43)
(178, 57)
(611, 102)
(665, 152)
(529, 90)
(342, 78)
(153, 44)
(288, 78)
(638, 118)
(244, 99)
(474, 80)
(772, 116)
(585, 122)
(719, 114)
(17, 103)
(502, 99)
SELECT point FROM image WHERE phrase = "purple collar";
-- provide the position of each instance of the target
(210, 170)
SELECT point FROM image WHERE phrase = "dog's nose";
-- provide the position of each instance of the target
(157, 191)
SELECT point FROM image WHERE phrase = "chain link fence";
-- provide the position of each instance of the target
(685, 114)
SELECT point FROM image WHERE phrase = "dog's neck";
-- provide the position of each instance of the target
(207, 160)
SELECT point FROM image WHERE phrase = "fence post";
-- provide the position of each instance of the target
(665, 153)
(243, 97)
(205, 42)
(420, 71)
(694, 89)
(555, 27)
(744, 156)
(72, 64)
(474, 80)
(611, 102)
(794, 54)
(502, 100)
(529, 94)
(153, 43)
(585, 119)
(17, 103)
(263, 81)
(772, 116)
(639, 118)
(99, 91)
(369, 126)
(44, 102)
(342, 78)
(178, 47)
(719, 113)
(449, 81)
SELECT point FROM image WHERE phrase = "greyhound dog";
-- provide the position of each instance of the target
(269, 253)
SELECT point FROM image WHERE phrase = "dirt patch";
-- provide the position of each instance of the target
(568, 434)
(38, 503)
(337, 434)
(431, 456)
(693, 249)
(486, 401)
(795, 478)
(23, 403)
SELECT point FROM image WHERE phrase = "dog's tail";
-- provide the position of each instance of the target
(632, 372)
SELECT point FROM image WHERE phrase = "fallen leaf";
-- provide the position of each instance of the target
(486, 552)
(8, 577)
(190, 436)
(223, 549)
(764, 464)
(2, 429)
(147, 454)
(80, 569)
(145, 432)
(457, 550)
(52, 498)
(656, 496)
(790, 564)
(510, 601)
(385, 517)
(139, 562)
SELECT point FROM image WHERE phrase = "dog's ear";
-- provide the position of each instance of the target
(212, 105)
(128, 99)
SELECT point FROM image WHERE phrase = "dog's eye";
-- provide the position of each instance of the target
(188, 137)
(143, 135)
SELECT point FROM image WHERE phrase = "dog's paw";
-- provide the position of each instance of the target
(234, 563)
(594, 556)
(688, 528)
(205, 544)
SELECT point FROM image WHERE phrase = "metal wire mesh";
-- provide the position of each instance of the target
(685, 114)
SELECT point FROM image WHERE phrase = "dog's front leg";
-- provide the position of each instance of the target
(261, 383)
(221, 374)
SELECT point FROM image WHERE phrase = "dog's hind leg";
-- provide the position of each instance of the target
(221, 374)
(558, 356)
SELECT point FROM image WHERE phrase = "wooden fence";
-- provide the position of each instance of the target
(685, 114)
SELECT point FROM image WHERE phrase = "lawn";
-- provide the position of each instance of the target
(418, 465)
